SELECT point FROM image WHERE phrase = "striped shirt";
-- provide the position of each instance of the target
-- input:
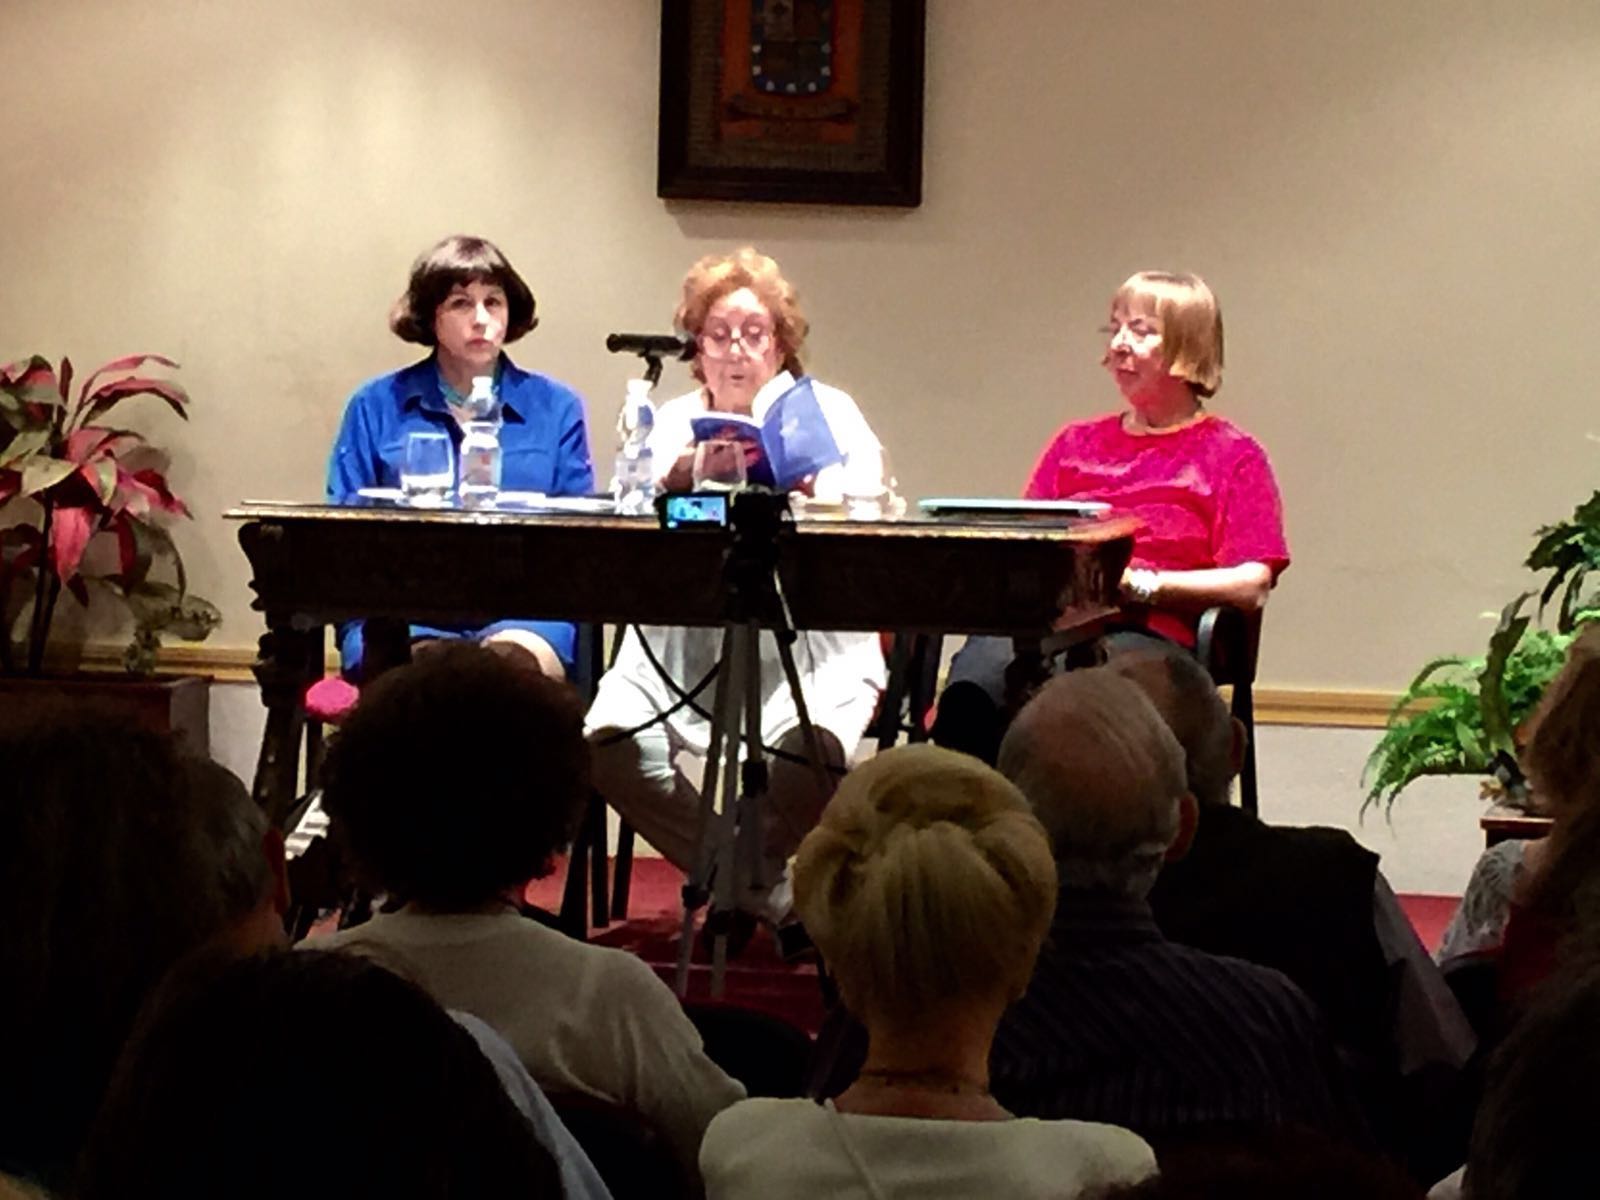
(1122, 1026)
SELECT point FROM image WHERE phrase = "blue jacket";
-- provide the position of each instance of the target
(544, 447)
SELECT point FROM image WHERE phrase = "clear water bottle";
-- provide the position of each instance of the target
(479, 485)
(633, 485)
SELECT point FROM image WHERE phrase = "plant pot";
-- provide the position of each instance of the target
(168, 704)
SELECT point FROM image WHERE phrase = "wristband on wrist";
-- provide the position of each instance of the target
(1141, 585)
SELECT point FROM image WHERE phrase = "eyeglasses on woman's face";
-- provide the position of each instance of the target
(718, 339)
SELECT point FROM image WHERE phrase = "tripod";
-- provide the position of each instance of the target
(733, 795)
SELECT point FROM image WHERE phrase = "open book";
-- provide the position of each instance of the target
(794, 437)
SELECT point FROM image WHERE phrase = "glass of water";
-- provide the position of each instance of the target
(427, 475)
(871, 491)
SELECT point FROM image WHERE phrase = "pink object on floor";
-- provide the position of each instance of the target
(330, 699)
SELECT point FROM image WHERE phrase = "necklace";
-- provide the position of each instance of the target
(926, 1081)
(1135, 424)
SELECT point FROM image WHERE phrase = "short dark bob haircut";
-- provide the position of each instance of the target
(457, 777)
(454, 262)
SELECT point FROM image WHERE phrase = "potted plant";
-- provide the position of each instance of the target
(81, 505)
(1460, 715)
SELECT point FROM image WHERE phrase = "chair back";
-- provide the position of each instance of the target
(633, 1158)
(1228, 643)
(762, 1051)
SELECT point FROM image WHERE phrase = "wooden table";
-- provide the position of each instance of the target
(317, 564)
(1502, 823)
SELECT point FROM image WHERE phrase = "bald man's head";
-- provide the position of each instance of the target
(1104, 775)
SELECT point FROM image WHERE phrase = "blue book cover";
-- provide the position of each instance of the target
(794, 437)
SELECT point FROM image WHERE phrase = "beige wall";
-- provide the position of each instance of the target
(1396, 203)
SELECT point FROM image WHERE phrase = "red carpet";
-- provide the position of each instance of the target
(1429, 915)
(758, 978)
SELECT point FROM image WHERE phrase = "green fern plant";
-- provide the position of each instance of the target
(1570, 551)
(1460, 715)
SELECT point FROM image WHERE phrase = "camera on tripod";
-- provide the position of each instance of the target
(755, 514)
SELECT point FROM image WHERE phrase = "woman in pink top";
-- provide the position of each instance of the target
(1213, 519)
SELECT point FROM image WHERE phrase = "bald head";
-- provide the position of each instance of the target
(1185, 696)
(1104, 775)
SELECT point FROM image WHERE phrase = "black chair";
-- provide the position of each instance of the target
(764, 1052)
(909, 693)
(632, 1157)
(1228, 643)
(586, 861)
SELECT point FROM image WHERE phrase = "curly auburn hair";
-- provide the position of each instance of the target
(719, 275)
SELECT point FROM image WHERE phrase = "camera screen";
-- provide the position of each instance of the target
(690, 510)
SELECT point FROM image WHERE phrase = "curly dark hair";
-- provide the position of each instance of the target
(459, 260)
(457, 777)
(226, 1050)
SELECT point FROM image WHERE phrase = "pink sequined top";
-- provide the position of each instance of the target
(1205, 492)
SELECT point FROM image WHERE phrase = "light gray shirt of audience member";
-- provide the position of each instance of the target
(579, 1179)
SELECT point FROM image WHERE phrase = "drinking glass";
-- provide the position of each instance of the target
(427, 476)
(719, 465)
(871, 492)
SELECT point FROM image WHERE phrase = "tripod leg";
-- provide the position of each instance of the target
(808, 731)
(697, 886)
(743, 685)
(749, 862)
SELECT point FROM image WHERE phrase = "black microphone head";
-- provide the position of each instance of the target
(652, 345)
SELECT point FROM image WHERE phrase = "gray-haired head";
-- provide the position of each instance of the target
(232, 828)
(1104, 775)
(1186, 697)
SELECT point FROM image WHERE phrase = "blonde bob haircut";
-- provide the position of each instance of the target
(1191, 323)
(719, 275)
(927, 881)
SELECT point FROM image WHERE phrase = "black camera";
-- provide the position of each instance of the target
(693, 510)
(751, 512)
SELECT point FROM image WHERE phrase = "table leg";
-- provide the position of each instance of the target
(288, 661)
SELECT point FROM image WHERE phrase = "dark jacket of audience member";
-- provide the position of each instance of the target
(309, 1075)
(117, 857)
(1311, 903)
(1120, 1024)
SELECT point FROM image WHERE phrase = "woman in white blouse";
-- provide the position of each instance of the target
(750, 333)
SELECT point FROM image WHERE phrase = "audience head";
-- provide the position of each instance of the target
(117, 857)
(1562, 760)
(720, 275)
(1531, 1135)
(248, 855)
(1562, 755)
(1190, 319)
(1183, 692)
(235, 1062)
(926, 884)
(1105, 776)
(457, 778)
(455, 262)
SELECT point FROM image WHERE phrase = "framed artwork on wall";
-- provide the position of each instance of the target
(804, 101)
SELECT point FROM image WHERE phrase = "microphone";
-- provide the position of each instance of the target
(653, 345)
